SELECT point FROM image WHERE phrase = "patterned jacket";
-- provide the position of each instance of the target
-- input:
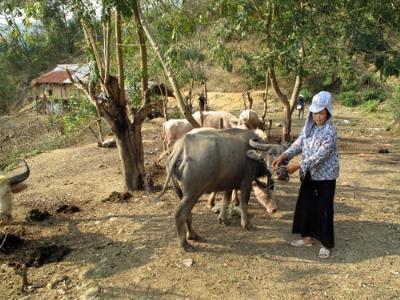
(319, 152)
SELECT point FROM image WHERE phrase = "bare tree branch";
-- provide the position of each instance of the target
(182, 103)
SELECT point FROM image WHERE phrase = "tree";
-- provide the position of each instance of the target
(29, 47)
(182, 103)
(112, 103)
(294, 38)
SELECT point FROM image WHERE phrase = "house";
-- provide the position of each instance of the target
(52, 89)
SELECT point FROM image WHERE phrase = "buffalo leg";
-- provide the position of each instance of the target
(211, 200)
(5, 207)
(181, 215)
(235, 199)
(244, 200)
(191, 234)
(225, 202)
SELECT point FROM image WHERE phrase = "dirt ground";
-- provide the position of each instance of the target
(129, 249)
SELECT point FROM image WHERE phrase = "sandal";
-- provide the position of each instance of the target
(300, 243)
(324, 253)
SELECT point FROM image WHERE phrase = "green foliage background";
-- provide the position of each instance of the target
(342, 39)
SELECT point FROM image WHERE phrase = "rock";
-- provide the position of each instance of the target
(91, 293)
(60, 292)
(383, 150)
(188, 262)
(83, 274)
(109, 143)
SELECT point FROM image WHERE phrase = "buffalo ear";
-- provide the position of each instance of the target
(253, 154)
(260, 184)
(16, 188)
(269, 186)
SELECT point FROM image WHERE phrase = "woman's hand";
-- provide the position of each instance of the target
(277, 161)
(293, 167)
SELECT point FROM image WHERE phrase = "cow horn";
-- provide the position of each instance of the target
(256, 144)
(14, 180)
(253, 154)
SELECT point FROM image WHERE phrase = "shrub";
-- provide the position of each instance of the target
(370, 105)
(377, 94)
(368, 98)
(349, 99)
(78, 112)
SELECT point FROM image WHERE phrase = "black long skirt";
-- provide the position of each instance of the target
(313, 215)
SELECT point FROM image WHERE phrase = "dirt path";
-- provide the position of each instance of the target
(130, 251)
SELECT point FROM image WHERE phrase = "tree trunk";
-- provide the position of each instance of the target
(143, 53)
(100, 130)
(129, 153)
(205, 95)
(287, 124)
(288, 105)
(265, 97)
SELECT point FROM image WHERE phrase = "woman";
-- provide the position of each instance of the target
(319, 168)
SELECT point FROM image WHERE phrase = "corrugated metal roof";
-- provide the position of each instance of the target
(59, 76)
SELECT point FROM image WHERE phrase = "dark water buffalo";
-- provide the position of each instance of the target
(7, 186)
(266, 199)
(209, 160)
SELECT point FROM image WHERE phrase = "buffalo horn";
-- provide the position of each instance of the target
(14, 180)
(256, 144)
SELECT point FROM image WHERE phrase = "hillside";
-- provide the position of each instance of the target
(128, 249)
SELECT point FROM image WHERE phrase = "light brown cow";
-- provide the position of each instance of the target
(216, 119)
(250, 120)
(174, 129)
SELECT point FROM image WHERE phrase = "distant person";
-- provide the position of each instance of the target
(202, 103)
(319, 168)
(300, 106)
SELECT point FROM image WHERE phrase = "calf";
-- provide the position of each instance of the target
(173, 130)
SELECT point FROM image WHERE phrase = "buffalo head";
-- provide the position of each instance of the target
(8, 185)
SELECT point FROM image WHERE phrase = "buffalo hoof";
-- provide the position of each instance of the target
(247, 226)
(223, 221)
(188, 247)
(196, 237)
